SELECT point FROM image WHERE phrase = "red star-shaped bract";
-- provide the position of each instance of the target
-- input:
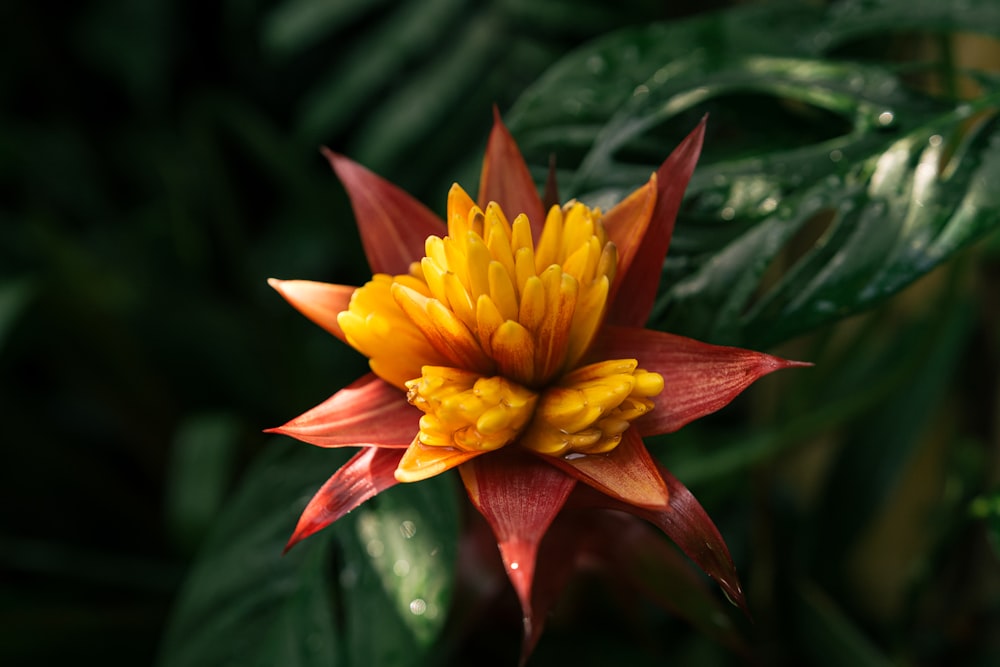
(518, 490)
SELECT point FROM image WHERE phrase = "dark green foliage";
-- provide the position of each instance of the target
(158, 161)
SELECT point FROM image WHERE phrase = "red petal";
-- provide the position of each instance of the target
(422, 462)
(640, 280)
(519, 496)
(626, 225)
(689, 526)
(698, 378)
(320, 302)
(368, 473)
(393, 225)
(506, 180)
(627, 472)
(367, 412)
(566, 550)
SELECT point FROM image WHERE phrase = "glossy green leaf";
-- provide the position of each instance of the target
(880, 183)
(399, 569)
(854, 18)
(896, 216)
(245, 603)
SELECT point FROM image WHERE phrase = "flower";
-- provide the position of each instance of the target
(509, 343)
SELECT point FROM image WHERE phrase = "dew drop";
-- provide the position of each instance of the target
(401, 568)
(836, 155)
(728, 213)
(408, 529)
(885, 118)
(640, 90)
(418, 607)
(375, 548)
(514, 565)
(769, 205)
(935, 140)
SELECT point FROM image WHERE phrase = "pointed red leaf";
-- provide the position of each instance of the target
(506, 180)
(320, 302)
(368, 473)
(519, 496)
(641, 277)
(626, 225)
(689, 526)
(566, 550)
(687, 523)
(369, 411)
(627, 472)
(698, 378)
(393, 225)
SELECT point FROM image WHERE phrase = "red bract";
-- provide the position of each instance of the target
(515, 351)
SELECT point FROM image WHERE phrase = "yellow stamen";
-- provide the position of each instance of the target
(590, 408)
(467, 411)
(487, 331)
(374, 323)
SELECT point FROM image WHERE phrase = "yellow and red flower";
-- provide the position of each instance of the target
(507, 341)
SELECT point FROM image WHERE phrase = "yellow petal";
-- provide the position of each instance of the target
(421, 462)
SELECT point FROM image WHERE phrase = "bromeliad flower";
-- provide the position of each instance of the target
(509, 343)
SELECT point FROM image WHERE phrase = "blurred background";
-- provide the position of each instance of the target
(159, 161)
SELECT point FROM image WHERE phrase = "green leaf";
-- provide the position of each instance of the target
(199, 473)
(896, 216)
(829, 636)
(245, 603)
(412, 82)
(824, 186)
(299, 24)
(853, 18)
(399, 569)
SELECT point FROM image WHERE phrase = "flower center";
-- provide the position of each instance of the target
(486, 334)
(468, 411)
